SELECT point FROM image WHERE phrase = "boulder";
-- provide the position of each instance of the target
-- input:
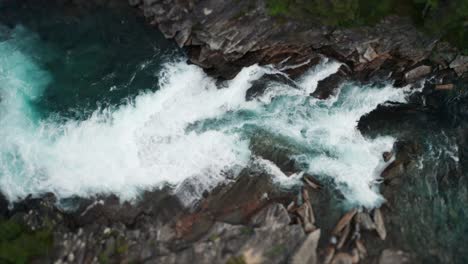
(418, 73)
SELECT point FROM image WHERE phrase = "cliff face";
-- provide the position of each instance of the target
(224, 36)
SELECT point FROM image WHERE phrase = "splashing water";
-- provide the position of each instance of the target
(188, 130)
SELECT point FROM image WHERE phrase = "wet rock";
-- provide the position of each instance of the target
(307, 252)
(343, 236)
(393, 170)
(365, 221)
(330, 85)
(418, 73)
(344, 221)
(387, 155)
(393, 256)
(312, 182)
(380, 224)
(260, 86)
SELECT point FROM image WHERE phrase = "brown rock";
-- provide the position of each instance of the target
(329, 254)
(343, 258)
(393, 170)
(444, 87)
(344, 221)
(379, 224)
(365, 221)
(307, 252)
(370, 54)
(306, 216)
(361, 248)
(344, 236)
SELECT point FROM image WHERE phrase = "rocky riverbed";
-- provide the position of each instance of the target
(251, 219)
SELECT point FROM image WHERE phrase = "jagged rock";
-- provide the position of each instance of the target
(330, 85)
(311, 182)
(343, 236)
(460, 64)
(344, 221)
(307, 253)
(365, 221)
(387, 155)
(219, 37)
(329, 254)
(259, 86)
(379, 224)
(392, 256)
(361, 248)
(272, 216)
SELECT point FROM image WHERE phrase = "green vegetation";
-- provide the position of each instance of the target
(19, 245)
(236, 260)
(447, 19)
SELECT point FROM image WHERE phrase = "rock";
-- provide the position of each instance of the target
(365, 221)
(460, 64)
(273, 216)
(306, 216)
(361, 248)
(307, 252)
(343, 258)
(379, 224)
(343, 236)
(444, 87)
(387, 155)
(392, 256)
(219, 37)
(418, 73)
(370, 54)
(329, 254)
(344, 221)
(330, 86)
(311, 182)
(259, 86)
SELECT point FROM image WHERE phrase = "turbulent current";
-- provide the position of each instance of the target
(187, 129)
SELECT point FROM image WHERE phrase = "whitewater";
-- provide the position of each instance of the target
(192, 129)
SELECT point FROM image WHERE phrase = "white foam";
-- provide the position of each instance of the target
(147, 143)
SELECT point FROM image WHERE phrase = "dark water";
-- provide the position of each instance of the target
(97, 56)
